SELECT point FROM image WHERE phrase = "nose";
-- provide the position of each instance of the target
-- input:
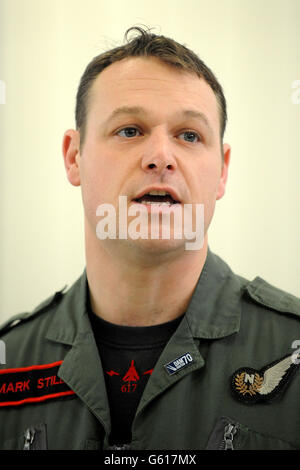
(157, 155)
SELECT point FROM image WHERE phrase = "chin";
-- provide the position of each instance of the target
(158, 247)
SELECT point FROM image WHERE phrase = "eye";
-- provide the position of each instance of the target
(191, 136)
(128, 132)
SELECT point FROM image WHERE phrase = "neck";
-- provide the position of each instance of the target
(140, 289)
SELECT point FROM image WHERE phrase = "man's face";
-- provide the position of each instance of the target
(150, 126)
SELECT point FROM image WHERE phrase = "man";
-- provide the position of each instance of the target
(156, 346)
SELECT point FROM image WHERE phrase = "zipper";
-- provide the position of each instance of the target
(228, 436)
(28, 438)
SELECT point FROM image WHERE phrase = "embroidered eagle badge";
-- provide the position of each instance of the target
(250, 385)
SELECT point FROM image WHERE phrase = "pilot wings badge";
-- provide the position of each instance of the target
(251, 386)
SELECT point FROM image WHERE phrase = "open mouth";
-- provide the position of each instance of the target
(162, 198)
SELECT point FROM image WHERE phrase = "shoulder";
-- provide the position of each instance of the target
(46, 305)
(258, 293)
(269, 297)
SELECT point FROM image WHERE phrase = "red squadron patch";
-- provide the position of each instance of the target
(31, 384)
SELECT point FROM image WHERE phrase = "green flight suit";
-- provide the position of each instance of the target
(204, 392)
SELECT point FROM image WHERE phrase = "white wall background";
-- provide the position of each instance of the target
(253, 48)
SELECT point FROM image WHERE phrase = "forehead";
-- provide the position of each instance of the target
(153, 84)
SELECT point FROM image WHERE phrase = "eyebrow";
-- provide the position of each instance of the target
(138, 110)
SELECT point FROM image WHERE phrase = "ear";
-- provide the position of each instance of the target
(224, 174)
(71, 153)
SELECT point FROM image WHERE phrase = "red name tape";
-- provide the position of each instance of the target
(31, 384)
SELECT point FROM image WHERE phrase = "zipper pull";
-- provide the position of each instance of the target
(229, 433)
(28, 438)
(119, 447)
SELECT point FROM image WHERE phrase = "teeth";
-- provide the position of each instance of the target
(158, 193)
(152, 203)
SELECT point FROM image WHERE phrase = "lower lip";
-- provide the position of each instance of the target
(158, 208)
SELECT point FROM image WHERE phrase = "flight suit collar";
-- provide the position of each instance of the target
(71, 315)
(213, 312)
(215, 307)
(81, 369)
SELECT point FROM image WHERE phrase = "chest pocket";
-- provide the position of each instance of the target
(33, 438)
(228, 434)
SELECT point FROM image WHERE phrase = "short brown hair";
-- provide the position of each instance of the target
(147, 44)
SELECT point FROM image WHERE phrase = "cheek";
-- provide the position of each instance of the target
(100, 180)
(92, 186)
(206, 183)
